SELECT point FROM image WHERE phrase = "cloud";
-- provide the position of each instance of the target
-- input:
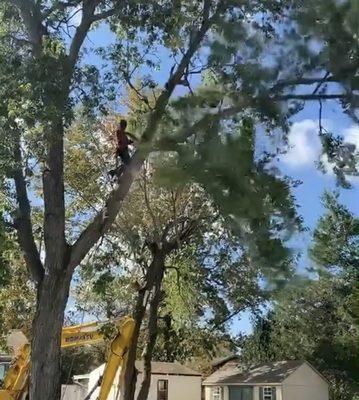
(351, 135)
(303, 144)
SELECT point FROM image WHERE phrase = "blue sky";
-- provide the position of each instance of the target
(299, 162)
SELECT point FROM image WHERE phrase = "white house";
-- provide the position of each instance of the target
(281, 380)
(74, 391)
(169, 381)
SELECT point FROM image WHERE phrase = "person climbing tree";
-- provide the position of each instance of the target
(122, 143)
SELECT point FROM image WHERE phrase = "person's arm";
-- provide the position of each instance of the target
(132, 139)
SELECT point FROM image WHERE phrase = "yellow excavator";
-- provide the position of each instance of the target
(16, 381)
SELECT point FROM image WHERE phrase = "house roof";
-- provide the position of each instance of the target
(218, 362)
(272, 372)
(167, 368)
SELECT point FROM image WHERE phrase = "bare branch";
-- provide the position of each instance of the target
(23, 222)
(304, 81)
(311, 97)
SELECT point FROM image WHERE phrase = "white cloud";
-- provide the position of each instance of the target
(303, 144)
(351, 135)
(304, 147)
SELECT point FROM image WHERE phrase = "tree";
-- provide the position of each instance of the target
(223, 266)
(45, 78)
(315, 320)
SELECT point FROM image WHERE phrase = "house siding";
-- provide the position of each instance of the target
(208, 392)
(305, 383)
(73, 392)
(180, 387)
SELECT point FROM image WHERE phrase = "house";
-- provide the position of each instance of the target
(281, 380)
(169, 381)
(5, 361)
(73, 391)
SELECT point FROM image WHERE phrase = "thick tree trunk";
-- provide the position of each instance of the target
(168, 338)
(152, 337)
(130, 376)
(53, 293)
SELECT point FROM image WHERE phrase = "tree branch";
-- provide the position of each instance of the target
(105, 14)
(60, 6)
(105, 218)
(310, 97)
(176, 77)
(103, 221)
(304, 81)
(23, 222)
(81, 31)
(31, 17)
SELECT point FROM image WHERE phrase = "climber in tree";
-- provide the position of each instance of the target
(122, 143)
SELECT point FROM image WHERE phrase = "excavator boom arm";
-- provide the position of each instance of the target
(16, 379)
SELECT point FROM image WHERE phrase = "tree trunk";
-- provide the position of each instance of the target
(53, 293)
(130, 375)
(152, 337)
(168, 338)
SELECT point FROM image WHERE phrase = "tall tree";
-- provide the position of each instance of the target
(316, 320)
(44, 76)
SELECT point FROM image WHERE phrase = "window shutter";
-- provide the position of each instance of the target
(260, 393)
(274, 393)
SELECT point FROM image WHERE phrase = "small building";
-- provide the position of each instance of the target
(281, 380)
(169, 381)
(5, 361)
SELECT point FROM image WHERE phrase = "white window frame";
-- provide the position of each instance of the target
(217, 393)
(164, 391)
(267, 393)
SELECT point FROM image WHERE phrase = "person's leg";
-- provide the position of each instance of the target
(125, 157)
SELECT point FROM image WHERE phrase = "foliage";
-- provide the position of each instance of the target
(245, 54)
(17, 297)
(316, 320)
(335, 245)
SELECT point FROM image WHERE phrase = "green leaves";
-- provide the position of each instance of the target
(317, 319)
(336, 239)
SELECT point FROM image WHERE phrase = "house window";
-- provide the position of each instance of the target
(240, 393)
(3, 368)
(268, 393)
(217, 393)
(162, 389)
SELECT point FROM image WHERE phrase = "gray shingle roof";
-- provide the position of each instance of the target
(167, 368)
(273, 372)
